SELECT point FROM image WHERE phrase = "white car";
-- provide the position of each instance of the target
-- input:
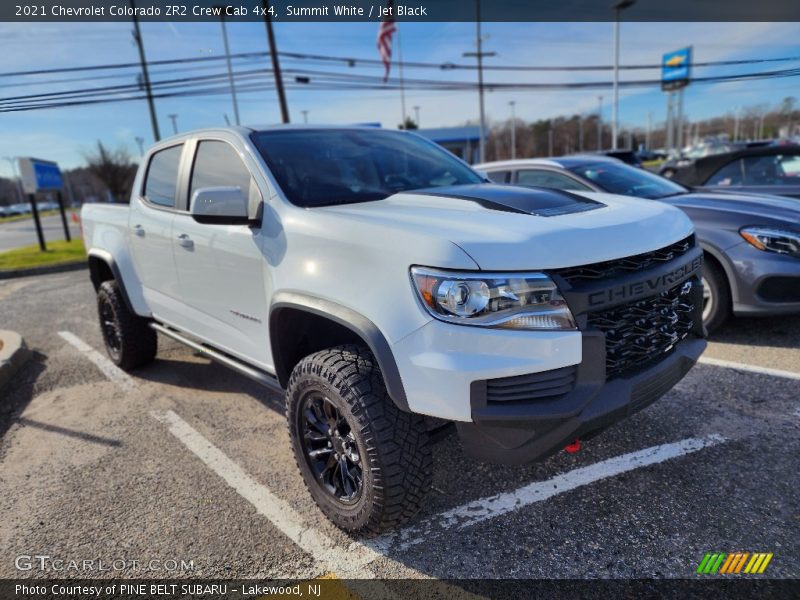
(386, 286)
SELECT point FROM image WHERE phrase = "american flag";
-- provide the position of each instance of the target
(385, 33)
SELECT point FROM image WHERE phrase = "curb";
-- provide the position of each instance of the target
(61, 268)
(13, 355)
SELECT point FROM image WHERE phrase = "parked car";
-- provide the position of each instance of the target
(771, 169)
(687, 158)
(382, 281)
(751, 242)
(22, 208)
(629, 157)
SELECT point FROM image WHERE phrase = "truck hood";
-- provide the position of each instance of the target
(520, 228)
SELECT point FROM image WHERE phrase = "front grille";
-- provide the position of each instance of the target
(623, 266)
(640, 332)
(539, 387)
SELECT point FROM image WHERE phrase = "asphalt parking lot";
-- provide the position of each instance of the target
(187, 461)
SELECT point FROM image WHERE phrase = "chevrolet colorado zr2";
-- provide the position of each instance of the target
(385, 286)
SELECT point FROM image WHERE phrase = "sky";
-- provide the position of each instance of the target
(67, 134)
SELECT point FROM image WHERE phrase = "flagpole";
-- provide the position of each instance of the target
(402, 84)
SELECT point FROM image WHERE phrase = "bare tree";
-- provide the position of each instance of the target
(114, 168)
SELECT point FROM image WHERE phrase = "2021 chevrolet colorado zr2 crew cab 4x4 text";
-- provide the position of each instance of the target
(380, 281)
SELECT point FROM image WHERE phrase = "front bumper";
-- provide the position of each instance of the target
(765, 283)
(517, 434)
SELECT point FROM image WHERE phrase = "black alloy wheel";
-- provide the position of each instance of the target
(331, 449)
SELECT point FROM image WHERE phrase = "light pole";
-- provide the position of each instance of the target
(228, 61)
(305, 116)
(512, 104)
(649, 129)
(479, 55)
(140, 142)
(416, 115)
(599, 123)
(174, 118)
(618, 7)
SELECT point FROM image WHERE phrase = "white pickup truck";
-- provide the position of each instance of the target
(386, 286)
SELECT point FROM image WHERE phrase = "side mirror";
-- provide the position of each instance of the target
(220, 206)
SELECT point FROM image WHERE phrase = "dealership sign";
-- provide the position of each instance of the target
(40, 175)
(676, 68)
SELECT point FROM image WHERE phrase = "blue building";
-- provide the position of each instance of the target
(463, 141)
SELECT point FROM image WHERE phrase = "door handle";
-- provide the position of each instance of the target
(138, 230)
(185, 241)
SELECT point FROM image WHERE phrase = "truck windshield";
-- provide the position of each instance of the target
(323, 167)
(619, 178)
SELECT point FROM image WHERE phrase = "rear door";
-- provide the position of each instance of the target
(221, 268)
(151, 215)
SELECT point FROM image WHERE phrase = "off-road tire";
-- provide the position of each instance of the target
(716, 296)
(393, 445)
(137, 342)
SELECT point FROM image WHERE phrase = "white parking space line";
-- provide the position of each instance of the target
(716, 362)
(109, 369)
(478, 511)
(347, 563)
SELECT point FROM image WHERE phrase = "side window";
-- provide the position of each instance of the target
(770, 170)
(217, 164)
(499, 176)
(549, 179)
(162, 176)
(730, 174)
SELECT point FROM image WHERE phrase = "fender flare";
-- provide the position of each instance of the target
(348, 318)
(108, 259)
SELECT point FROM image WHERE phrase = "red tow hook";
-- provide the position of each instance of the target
(573, 447)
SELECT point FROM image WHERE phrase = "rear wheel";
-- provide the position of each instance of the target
(716, 296)
(366, 463)
(129, 339)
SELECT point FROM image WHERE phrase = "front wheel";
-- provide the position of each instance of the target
(366, 463)
(716, 296)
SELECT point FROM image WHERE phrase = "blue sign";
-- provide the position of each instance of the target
(39, 175)
(48, 175)
(676, 68)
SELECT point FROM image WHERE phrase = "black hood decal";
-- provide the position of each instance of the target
(541, 202)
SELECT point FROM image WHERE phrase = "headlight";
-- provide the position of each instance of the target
(773, 240)
(501, 300)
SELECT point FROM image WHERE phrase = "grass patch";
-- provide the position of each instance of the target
(30, 256)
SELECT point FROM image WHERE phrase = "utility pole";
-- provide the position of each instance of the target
(276, 65)
(649, 129)
(618, 7)
(140, 142)
(480, 55)
(512, 104)
(228, 62)
(137, 35)
(679, 127)
(416, 115)
(174, 118)
(599, 123)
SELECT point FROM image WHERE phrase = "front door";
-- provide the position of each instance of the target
(221, 268)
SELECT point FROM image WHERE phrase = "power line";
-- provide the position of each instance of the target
(353, 62)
